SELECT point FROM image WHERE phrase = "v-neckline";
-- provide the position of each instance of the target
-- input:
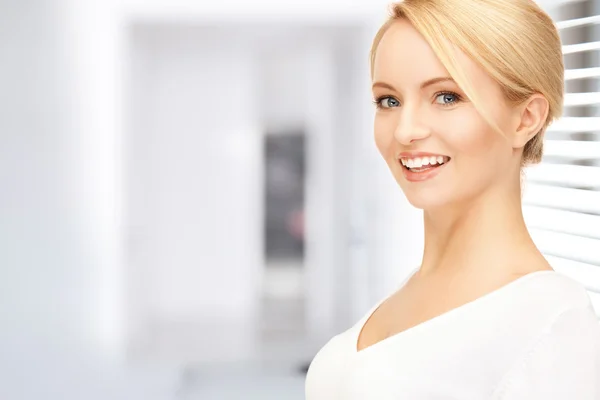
(421, 325)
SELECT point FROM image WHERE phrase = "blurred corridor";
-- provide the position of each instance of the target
(192, 203)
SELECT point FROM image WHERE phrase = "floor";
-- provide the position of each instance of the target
(271, 365)
(245, 382)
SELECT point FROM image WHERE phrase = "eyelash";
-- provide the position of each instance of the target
(377, 101)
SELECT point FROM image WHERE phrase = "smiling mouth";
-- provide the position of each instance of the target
(423, 164)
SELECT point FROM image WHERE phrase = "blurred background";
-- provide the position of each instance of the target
(192, 203)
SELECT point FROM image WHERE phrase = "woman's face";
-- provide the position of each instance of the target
(422, 121)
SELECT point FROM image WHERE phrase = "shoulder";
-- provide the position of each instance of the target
(533, 302)
(574, 327)
(563, 361)
(563, 288)
(546, 297)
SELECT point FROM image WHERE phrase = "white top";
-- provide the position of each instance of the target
(537, 337)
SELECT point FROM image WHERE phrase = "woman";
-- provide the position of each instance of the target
(464, 91)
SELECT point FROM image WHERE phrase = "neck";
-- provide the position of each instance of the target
(486, 235)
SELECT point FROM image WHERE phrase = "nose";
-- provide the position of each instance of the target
(410, 128)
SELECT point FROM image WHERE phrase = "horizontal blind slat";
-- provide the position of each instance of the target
(567, 246)
(562, 221)
(582, 73)
(586, 201)
(581, 99)
(580, 47)
(574, 176)
(578, 150)
(575, 124)
(571, 23)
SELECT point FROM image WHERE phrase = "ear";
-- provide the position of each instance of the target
(531, 116)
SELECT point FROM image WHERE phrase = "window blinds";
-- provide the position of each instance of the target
(561, 200)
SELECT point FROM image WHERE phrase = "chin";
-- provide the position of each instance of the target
(430, 195)
(426, 202)
(440, 197)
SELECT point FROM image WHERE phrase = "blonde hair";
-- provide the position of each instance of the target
(514, 41)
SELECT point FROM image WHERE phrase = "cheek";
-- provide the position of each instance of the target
(469, 136)
(384, 136)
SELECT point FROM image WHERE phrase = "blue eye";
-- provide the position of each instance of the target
(448, 98)
(386, 102)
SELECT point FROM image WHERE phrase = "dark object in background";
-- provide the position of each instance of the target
(284, 195)
(303, 368)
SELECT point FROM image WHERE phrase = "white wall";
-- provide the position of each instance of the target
(195, 174)
(49, 345)
(43, 288)
(193, 188)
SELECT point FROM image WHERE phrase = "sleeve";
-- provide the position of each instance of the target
(563, 364)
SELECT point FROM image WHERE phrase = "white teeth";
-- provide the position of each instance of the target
(418, 162)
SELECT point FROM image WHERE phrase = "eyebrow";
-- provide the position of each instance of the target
(428, 82)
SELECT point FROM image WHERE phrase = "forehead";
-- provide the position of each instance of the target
(403, 55)
(404, 59)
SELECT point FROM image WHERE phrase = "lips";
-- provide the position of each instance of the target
(422, 173)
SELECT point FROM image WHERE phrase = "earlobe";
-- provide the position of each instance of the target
(533, 114)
